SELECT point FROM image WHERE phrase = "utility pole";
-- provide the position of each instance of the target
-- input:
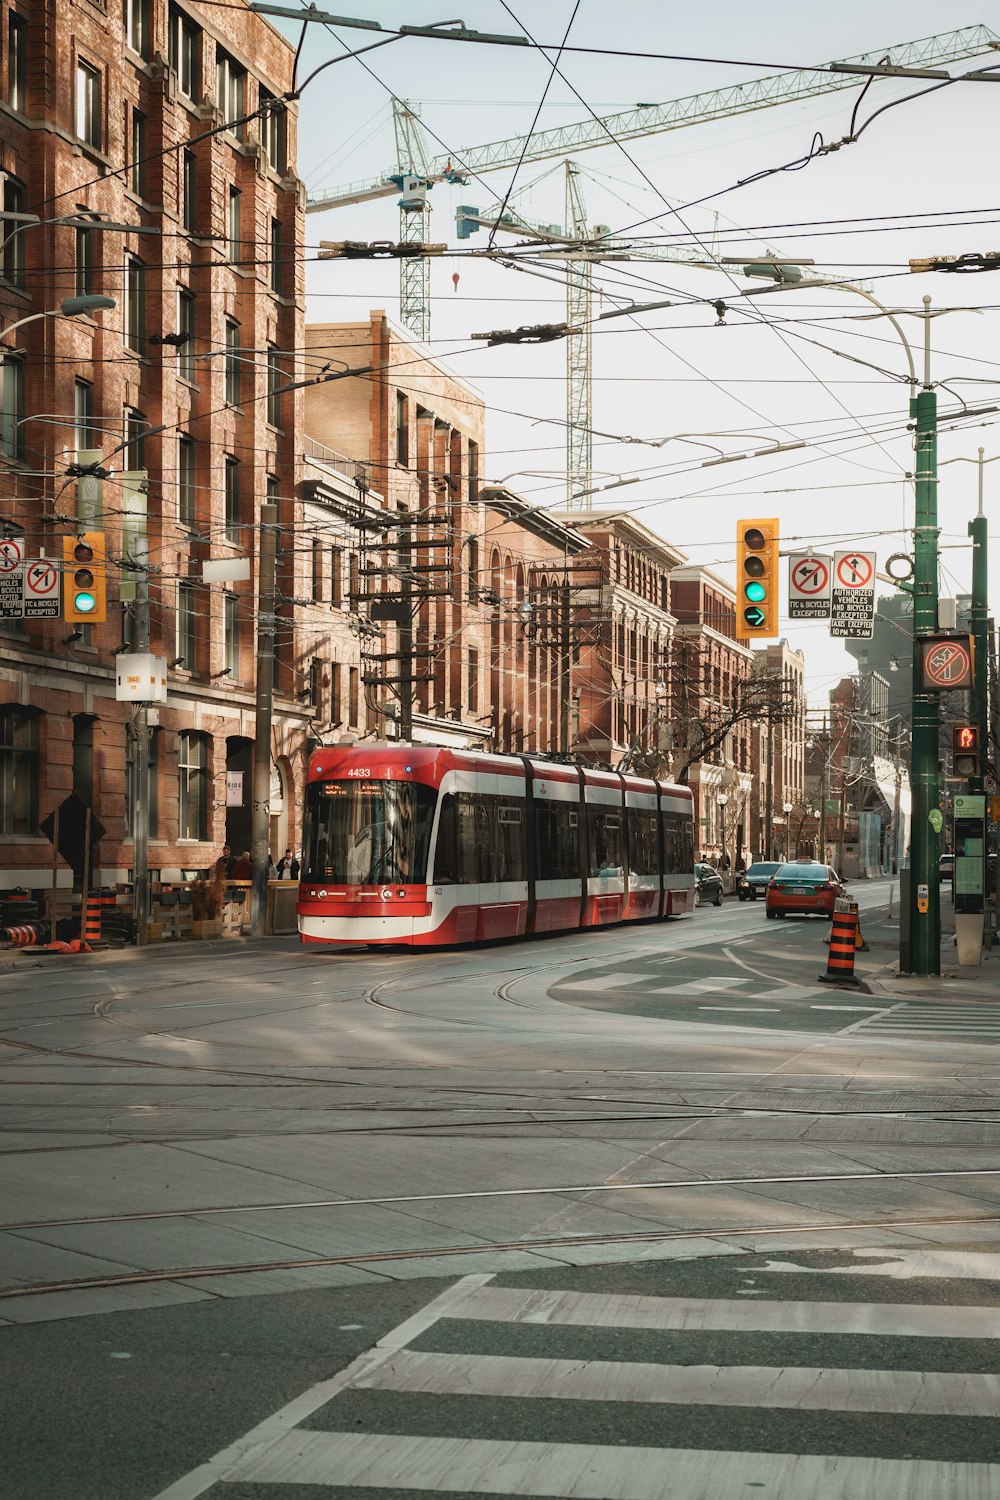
(824, 740)
(140, 749)
(404, 560)
(266, 629)
(768, 850)
(925, 903)
(565, 668)
(980, 630)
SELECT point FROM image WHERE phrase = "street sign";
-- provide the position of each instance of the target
(945, 663)
(11, 578)
(852, 604)
(41, 589)
(809, 586)
(234, 788)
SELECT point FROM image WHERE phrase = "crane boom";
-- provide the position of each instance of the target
(736, 99)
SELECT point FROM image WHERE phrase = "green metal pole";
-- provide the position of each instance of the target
(980, 627)
(925, 926)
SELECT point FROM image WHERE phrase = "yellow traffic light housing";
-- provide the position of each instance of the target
(85, 583)
(756, 579)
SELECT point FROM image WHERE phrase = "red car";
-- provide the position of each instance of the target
(803, 886)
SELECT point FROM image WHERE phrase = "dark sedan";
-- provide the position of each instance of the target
(753, 882)
(707, 886)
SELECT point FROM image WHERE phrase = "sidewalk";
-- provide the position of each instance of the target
(878, 970)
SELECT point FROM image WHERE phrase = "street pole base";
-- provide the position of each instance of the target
(846, 983)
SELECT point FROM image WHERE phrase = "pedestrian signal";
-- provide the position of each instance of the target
(965, 749)
(756, 579)
(85, 589)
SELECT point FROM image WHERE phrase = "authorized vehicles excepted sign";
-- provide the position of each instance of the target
(11, 578)
(852, 602)
(810, 580)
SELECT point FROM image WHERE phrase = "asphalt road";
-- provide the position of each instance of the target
(227, 1174)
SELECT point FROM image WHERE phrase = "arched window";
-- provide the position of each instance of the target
(192, 785)
(18, 769)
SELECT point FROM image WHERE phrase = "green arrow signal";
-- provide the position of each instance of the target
(754, 616)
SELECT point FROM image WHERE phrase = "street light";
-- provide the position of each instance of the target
(722, 800)
(70, 307)
(787, 806)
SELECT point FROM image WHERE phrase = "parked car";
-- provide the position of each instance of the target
(806, 886)
(707, 886)
(753, 882)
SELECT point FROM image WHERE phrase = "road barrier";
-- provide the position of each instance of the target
(843, 946)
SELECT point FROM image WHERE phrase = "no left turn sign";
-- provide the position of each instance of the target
(809, 578)
(41, 589)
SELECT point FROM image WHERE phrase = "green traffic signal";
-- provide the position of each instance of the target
(754, 616)
(755, 591)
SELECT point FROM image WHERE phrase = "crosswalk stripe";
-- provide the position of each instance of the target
(601, 1471)
(794, 1388)
(498, 1304)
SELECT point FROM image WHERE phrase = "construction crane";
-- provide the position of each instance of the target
(415, 175)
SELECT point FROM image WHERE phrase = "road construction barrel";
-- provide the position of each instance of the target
(92, 917)
(843, 943)
(25, 934)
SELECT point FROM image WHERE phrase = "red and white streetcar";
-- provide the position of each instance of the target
(416, 846)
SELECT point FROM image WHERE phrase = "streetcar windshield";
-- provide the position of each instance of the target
(367, 832)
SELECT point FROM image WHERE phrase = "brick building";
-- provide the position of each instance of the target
(138, 123)
(779, 740)
(710, 732)
(478, 572)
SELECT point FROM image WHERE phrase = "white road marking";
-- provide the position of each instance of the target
(794, 1388)
(598, 1471)
(267, 1433)
(770, 1010)
(498, 1304)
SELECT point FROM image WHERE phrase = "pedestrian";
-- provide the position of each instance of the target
(224, 864)
(272, 871)
(288, 866)
(243, 868)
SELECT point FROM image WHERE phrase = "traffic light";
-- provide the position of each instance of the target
(965, 749)
(85, 587)
(756, 579)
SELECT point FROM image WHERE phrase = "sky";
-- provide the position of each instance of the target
(790, 366)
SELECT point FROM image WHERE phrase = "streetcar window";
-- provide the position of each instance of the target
(368, 832)
(678, 843)
(604, 828)
(480, 840)
(643, 845)
(511, 852)
(557, 841)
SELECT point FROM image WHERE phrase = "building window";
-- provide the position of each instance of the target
(185, 331)
(83, 414)
(192, 785)
(336, 577)
(272, 130)
(230, 91)
(13, 244)
(134, 456)
(184, 51)
(233, 222)
(135, 304)
(402, 429)
(232, 363)
(188, 189)
(187, 637)
(84, 262)
(473, 472)
(275, 380)
(317, 571)
(185, 480)
(135, 19)
(473, 570)
(137, 174)
(18, 770)
(353, 583)
(472, 686)
(12, 410)
(276, 255)
(88, 104)
(15, 61)
(316, 686)
(354, 696)
(231, 635)
(336, 707)
(234, 532)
